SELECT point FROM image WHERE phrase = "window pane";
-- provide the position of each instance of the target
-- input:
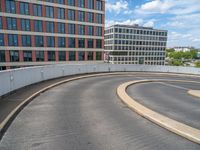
(24, 8)
(26, 40)
(50, 41)
(62, 55)
(25, 24)
(71, 2)
(12, 40)
(72, 56)
(10, 6)
(1, 40)
(39, 55)
(71, 42)
(71, 14)
(61, 42)
(11, 23)
(2, 56)
(71, 28)
(14, 56)
(27, 55)
(39, 41)
(51, 56)
(61, 28)
(37, 10)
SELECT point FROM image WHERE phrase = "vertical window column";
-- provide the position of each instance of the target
(34, 56)
(17, 3)
(86, 54)
(94, 55)
(76, 55)
(21, 56)
(57, 56)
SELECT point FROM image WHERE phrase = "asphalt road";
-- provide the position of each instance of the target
(87, 114)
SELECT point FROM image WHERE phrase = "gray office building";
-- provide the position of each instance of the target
(133, 44)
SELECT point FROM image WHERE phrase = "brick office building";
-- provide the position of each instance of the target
(35, 32)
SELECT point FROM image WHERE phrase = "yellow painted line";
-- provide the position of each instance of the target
(195, 93)
(174, 126)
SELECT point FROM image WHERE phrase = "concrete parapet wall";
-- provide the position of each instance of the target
(11, 80)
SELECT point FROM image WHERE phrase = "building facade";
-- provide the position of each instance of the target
(133, 44)
(36, 32)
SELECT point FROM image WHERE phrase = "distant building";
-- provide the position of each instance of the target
(133, 44)
(183, 49)
(38, 32)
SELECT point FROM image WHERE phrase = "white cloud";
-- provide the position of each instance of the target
(117, 7)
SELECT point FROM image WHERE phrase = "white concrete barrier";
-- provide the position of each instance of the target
(11, 80)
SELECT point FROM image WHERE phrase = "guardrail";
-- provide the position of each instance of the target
(11, 80)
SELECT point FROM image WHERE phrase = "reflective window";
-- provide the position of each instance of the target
(90, 56)
(99, 5)
(61, 27)
(81, 29)
(98, 31)
(14, 56)
(61, 42)
(98, 55)
(39, 41)
(98, 43)
(50, 27)
(62, 55)
(51, 1)
(71, 42)
(25, 24)
(90, 17)
(27, 55)
(71, 28)
(12, 40)
(72, 55)
(91, 4)
(60, 1)
(10, 6)
(81, 16)
(11, 23)
(90, 30)
(49, 11)
(71, 2)
(26, 40)
(37, 10)
(90, 43)
(81, 3)
(61, 13)
(81, 43)
(39, 55)
(99, 18)
(51, 56)
(50, 41)
(71, 14)
(2, 56)
(1, 40)
(1, 23)
(24, 8)
(81, 56)
(38, 26)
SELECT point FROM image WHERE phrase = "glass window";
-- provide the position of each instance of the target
(50, 27)
(81, 56)
(2, 56)
(50, 41)
(39, 55)
(71, 2)
(49, 12)
(12, 40)
(26, 40)
(81, 16)
(90, 43)
(39, 41)
(51, 56)
(71, 28)
(61, 13)
(98, 43)
(61, 27)
(14, 56)
(60, 1)
(90, 30)
(81, 43)
(27, 55)
(91, 4)
(81, 29)
(90, 17)
(72, 55)
(1, 40)
(71, 14)
(71, 42)
(98, 55)
(90, 55)
(10, 6)
(99, 18)
(37, 10)
(81, 3)
(61, 42)
(11, 23)
(1, 23)
(24, 8)
(25, 24)
(99, 5)
(38, 26)
(62, 55)
(99, 31)
(51, 1)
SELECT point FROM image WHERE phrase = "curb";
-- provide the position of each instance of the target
(174, 126)
(195, 93)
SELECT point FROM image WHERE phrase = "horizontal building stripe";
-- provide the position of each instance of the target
(49, 19)
(62, 6)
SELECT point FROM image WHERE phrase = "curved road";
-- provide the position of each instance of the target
(87, 114)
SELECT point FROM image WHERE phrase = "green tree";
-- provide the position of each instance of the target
(198, 64)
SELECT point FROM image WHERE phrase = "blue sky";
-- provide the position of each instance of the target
(180, 17)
